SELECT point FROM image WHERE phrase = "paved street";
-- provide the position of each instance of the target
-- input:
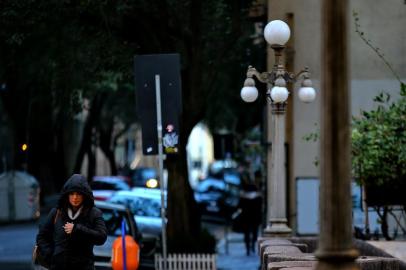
(16, 244)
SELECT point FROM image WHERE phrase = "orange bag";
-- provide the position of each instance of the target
(132, 254)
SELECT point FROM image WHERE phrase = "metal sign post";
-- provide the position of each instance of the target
(161, 165)
(163, 105)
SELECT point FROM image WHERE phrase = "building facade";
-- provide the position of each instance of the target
(382, 22)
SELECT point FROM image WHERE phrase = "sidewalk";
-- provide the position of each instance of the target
(235, 258)
(395, 248)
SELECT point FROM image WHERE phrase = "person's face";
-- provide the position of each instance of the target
(75, 199)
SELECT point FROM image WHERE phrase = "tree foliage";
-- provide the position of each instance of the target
(378, 148)
(64, 60)
(379, 136)
(379, 142)
(54, 55)
(379, 156)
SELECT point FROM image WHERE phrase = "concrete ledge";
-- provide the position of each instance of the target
(278, 242)
(298, 268)
(269, 250)
(364, 262)
(292, 257)
(310, 241)
(271, 241)
(289, 264)
(377, 263)
(366, 249)
(293, 249)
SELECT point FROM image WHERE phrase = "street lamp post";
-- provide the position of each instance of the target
(277, 33)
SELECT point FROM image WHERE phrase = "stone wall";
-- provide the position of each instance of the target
(298, 253)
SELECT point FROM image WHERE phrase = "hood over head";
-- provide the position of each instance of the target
(76, 183)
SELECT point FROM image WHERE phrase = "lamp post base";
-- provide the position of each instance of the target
(277, 228)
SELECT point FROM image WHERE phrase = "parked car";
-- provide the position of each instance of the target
(145, 204)
(105, 186)
(232, 176)
(113, 214)
(215, 196)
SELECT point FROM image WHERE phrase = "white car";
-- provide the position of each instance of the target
(145, 204)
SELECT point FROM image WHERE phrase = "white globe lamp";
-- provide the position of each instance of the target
(279, 94)
(277, 32)
(307, 93)
(249, 92)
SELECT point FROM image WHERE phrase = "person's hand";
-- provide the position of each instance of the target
(68, 227)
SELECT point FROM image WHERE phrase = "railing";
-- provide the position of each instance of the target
(186, 262)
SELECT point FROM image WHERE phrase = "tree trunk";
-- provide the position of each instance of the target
(107, 146)
(59, 166)
(91, 158)
(92, 118)
(183, 215)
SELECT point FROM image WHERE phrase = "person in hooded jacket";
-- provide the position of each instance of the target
(70, 231)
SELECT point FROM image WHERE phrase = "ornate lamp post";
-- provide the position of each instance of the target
(277, 33)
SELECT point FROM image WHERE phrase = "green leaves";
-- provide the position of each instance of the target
(382, 98)
(313, 136)
(402, 89)
(379, 142)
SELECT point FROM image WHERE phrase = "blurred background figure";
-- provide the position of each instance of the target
(251, 210)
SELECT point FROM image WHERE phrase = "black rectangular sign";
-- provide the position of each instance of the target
(167, 66)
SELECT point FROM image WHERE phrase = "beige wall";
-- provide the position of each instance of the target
(383, 22)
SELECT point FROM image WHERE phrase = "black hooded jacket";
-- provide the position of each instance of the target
(89, 229)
